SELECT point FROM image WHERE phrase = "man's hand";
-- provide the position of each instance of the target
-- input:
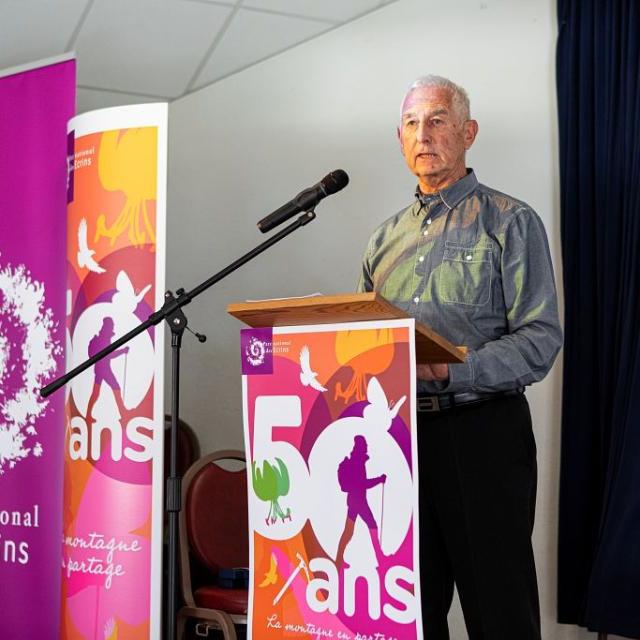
(432, 372)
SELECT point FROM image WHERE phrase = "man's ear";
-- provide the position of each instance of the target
(470, 132)
(399, 140)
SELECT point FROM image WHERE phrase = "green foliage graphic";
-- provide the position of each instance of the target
(271, 483)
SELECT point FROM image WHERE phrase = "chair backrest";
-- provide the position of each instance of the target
(214, 521)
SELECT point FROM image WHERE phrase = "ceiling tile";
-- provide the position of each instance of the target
(34, 29)
(253, 36)
(336, 10)
(146, 46)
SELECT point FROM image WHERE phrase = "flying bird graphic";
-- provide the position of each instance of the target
(307, 376)
(111, 630)
(272, 576)
(85, 255)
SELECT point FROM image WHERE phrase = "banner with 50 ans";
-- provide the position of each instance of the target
(329, 422)
(112, 539)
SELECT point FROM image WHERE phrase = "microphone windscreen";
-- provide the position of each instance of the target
(335, 181)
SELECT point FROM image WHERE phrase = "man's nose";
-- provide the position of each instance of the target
(423, 134)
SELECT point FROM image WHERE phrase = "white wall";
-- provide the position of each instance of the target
(243, 146)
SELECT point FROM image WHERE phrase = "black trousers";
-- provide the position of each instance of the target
(478, 477)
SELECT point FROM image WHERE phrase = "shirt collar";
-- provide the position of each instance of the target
(451, 195)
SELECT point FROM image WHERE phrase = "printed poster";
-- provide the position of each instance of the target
(35, 105)
(113, 474)
(332, 464)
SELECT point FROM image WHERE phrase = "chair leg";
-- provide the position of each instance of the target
(226, 624)
(222, 619)
(180, 625)
(603, 636)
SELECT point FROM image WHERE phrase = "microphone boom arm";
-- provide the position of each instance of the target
(183, 298)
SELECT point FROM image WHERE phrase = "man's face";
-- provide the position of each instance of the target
(434, 138)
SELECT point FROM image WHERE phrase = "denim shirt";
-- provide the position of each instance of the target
(474, 265)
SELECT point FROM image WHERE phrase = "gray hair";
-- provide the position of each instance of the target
(459, 97)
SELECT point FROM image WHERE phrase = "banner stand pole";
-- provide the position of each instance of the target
(171, 312)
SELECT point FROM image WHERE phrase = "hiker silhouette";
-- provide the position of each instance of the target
(352, 478)
(102, 368)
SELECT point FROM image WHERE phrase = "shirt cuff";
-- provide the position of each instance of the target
(460, 378)
(461, 375)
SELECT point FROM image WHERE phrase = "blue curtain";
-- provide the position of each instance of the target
(598, 83)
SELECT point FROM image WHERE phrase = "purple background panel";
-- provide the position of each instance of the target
(35, 106)
(71, 148)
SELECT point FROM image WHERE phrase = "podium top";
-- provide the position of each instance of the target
(354, 307)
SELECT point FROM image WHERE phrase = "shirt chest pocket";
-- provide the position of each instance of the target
(465, 275)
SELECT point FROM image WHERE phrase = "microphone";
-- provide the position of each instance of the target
(306, 200)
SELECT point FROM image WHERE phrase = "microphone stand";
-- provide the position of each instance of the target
(171, 312)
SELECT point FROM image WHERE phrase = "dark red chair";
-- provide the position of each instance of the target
(214, 534)
(188, 446)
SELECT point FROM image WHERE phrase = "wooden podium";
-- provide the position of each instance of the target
(352, 307)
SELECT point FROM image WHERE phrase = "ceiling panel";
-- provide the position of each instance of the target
(253, 36)
(149, 50)
(336, 10)
(146, 46)
(34, 29)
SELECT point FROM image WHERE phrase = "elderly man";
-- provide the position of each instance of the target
(473, 264)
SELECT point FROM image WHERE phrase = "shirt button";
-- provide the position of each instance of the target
(421, 258)
(416, 299)
(469, 257)
(425, 232)
(429, 221)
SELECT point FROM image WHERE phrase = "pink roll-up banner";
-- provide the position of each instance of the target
(113, 471)
(35, 105)
(330, 433)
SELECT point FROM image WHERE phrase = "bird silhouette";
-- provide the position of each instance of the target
(85, 255)
(307, 376)
(111, 630)
(271, 577)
